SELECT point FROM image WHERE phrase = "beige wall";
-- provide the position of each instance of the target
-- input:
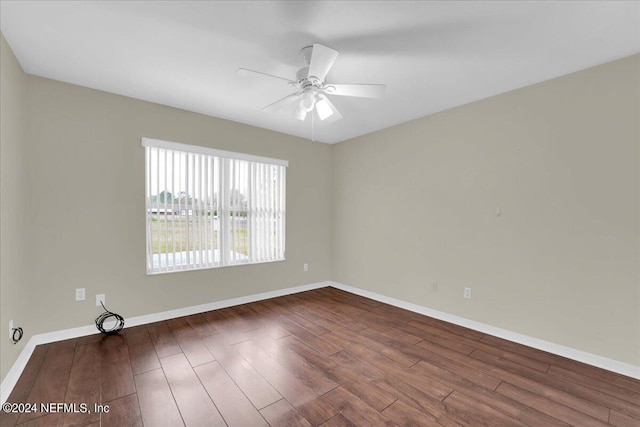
(85, 219)
(12, 200)
(417, 203)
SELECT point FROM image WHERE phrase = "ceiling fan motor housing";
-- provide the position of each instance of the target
(302, 73)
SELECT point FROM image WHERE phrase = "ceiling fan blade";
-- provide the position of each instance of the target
(322, 59)
(362, 91)
(332, 114)
(246, 71)
(289, 99)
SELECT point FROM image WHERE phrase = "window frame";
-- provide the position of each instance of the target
(223, 205)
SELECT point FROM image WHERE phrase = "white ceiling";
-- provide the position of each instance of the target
(431, 55)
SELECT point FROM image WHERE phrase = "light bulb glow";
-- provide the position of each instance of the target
(323, 109)
(300, 114)
(308, 101)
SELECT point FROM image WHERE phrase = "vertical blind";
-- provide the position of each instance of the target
(209, 208)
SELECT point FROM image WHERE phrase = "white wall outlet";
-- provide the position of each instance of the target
(100, 298)
(467, 293)
(305, 266)
(434, 286)
(79, 294)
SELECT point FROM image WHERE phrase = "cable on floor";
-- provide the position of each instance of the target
(106, 316)
(18, 332)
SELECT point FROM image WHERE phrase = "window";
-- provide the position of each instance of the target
(209, 208)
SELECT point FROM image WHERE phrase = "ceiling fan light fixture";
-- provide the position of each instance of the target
(324, 109)
(308, 101)
(300, 113)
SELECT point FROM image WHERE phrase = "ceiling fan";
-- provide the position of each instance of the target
(312, 89)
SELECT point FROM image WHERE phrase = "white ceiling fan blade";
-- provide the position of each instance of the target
(289, 99)
(329, 113)
(246, 71)
(322, 59)
(362, 91)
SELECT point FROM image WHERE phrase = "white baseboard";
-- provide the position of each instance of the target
(568, 352)
(18, 366)
(591, 359)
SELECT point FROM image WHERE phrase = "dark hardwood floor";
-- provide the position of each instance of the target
(323, 357)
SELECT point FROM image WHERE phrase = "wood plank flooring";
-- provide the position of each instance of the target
(318, 358)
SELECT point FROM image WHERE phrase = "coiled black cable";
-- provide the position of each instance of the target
(107, 315)
(14, 332)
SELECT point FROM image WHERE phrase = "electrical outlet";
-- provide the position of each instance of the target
(467, 293)
(100, 298)
(434, 286)
(79, 294)
(305, 266)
